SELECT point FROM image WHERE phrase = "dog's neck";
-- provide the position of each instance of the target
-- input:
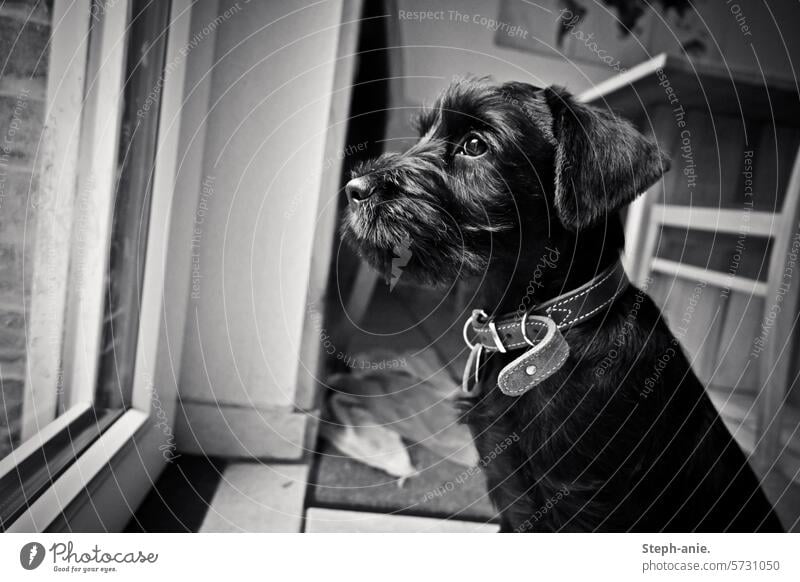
(564, 262)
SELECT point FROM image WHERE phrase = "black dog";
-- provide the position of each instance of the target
(501, 177)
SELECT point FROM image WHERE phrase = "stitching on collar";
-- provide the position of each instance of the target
(504, 379)
(585, 291)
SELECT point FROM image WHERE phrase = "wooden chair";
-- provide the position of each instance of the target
(716, 241)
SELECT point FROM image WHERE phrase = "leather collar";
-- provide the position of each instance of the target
(539, 330)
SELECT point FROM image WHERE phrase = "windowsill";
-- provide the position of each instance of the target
(75, 478)
(32, 477)
(38, 440)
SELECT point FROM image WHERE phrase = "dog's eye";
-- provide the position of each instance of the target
(472, 146)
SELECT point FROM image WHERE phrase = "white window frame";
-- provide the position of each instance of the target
(101, 489)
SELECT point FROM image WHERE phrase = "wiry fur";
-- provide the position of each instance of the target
(635, 447)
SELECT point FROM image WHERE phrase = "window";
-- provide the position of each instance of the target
(85, 169)
(136, 158)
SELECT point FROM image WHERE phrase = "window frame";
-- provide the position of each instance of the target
(105, 483)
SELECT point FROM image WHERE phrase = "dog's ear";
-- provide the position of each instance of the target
(601, 162)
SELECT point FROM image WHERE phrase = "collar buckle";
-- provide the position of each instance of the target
(479, 315)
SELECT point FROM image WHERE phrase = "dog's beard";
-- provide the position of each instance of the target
(411, 240)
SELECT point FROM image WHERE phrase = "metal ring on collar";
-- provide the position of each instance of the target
(478, 312)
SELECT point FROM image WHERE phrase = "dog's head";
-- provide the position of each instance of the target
(495, 167)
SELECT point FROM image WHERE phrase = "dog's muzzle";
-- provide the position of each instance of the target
(538, 330)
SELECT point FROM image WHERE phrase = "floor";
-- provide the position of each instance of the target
(442, 489)
(209, 495)
(181, 497)
(197, 494)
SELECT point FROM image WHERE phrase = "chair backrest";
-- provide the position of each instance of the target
(778, 337)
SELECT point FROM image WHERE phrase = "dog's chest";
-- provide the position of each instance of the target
(528, 411)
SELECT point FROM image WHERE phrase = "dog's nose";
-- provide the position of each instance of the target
(359, 189)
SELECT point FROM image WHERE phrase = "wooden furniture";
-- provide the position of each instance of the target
(715, 242)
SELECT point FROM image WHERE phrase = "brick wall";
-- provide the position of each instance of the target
(24, 32)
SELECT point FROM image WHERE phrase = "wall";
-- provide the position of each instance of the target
(255, 223)
(740, 35)
(437, 50)
(24, 33)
